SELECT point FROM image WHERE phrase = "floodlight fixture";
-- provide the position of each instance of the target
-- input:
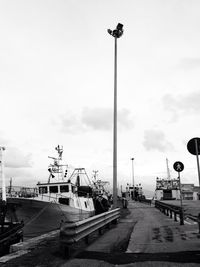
(117, 33)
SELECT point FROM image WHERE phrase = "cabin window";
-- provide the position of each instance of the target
(64, 188)
(43, 190)
(85, 204)
(53, 189)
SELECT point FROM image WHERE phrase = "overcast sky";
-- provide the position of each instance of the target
(56, 87)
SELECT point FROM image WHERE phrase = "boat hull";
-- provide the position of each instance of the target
(10, 233)
(41, 217)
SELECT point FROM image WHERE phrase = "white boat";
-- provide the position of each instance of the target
(167, 189)
(59, 199)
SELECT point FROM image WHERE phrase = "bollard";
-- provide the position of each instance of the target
(167, 212)
(175, 219)
(170, 213)
(181, 217)
(124, 203)
(198, 221)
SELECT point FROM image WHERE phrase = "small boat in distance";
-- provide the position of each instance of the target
(59, 199)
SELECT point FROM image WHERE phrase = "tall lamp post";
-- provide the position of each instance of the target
(117, 33)
(132, 159)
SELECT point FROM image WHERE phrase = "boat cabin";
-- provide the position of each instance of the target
(55, 188)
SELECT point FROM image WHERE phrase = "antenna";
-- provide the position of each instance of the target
(95, 174)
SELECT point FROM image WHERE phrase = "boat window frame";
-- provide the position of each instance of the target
(42, 187)
(65, 191)
(53, 186)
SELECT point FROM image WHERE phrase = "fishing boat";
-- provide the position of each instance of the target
(101, 197)
(10, 231)
(63, 197)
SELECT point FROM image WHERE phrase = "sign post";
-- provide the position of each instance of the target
(178, 166)
(193, 147)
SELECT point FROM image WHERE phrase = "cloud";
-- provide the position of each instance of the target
(102, 118)
(3, 141)
(155, 140)
(70, 123)
(20, 176)
(189, 63)
(125, 120)
(182, 104)
(95, 119)
(15, 158)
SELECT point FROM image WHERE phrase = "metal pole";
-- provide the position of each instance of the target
(2, 174)
(197, 154)
(181, 199)
(115, 130)
(133, 172)
(117, 33)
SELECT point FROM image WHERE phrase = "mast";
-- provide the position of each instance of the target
(95, 174)
(2, 173)
(56, 168)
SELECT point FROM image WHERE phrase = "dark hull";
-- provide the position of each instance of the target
(10, 233)
(41, 217)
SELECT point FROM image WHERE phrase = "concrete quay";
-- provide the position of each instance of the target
(143, 237)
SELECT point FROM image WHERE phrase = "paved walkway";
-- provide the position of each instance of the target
(155, 232)
(155, 240)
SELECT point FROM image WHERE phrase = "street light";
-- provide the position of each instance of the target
(117, 33)
(132, 159)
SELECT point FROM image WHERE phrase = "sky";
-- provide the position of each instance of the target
(57, 87)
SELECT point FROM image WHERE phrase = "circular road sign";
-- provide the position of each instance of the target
(191, 146)
(178, 166)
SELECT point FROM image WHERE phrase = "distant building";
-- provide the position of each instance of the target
(190, 192)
